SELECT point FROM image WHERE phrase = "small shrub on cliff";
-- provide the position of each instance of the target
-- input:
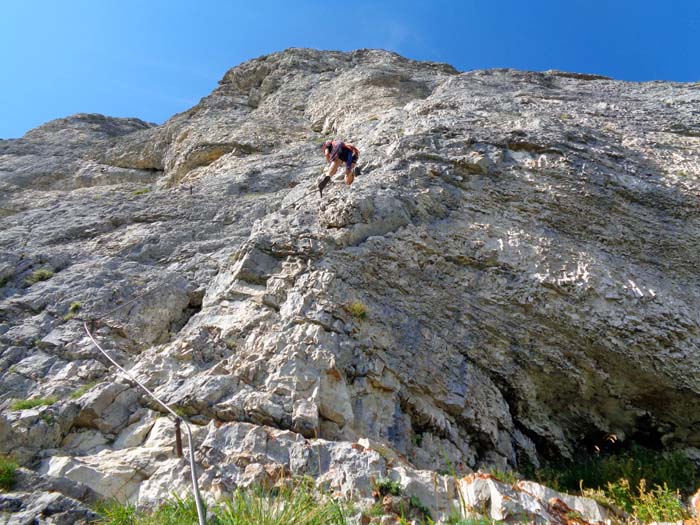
(386, 487)
(8, 472)
(358, 310)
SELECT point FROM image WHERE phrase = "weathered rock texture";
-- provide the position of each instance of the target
(525, 247)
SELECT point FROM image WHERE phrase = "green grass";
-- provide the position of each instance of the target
(473, 521)
(634, 465)
(42, 274)
(115, 513)
(643, 482)
(140, 191)
(358, 310)
(79, 392)
(417, 439)
(8, 472)
(386, 486)
(73, 310)
(509, 477)
(375, 511)
(23, 404)
(298, 505)
(657, 504)
(417, 504)
(607, 479)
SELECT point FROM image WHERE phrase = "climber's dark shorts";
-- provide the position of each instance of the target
(346, 156)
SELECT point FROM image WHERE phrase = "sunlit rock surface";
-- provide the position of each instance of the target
(512, 277)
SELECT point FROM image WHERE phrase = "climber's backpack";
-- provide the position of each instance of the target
(355, 151)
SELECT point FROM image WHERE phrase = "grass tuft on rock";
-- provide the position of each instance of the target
(24, 404)
(79, 392)
(8, 472)
(42, 274)
(73, 310)
(115, 513)
(358, 310)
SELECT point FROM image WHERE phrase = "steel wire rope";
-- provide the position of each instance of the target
(201, 511)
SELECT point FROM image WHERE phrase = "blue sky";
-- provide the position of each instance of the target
(153, 58)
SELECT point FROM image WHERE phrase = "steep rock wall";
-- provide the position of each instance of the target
(523, 245)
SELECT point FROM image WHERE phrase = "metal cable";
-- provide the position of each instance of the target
(201, 511)
(299, 199)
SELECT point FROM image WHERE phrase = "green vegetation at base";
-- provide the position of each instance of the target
(645, 483)
(280, 506)
(42, 274)
(114, 513)
(298, 505)
(8, 472)
(617, 480)
(634, 465)
(657, 504)
(23, 404)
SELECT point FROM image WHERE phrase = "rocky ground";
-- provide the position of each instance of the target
(512, 278)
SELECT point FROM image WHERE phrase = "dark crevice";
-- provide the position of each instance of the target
(193, 308)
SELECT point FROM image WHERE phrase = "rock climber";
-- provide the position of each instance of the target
(337, 153)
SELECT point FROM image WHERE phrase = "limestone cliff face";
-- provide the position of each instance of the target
(525, 246)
